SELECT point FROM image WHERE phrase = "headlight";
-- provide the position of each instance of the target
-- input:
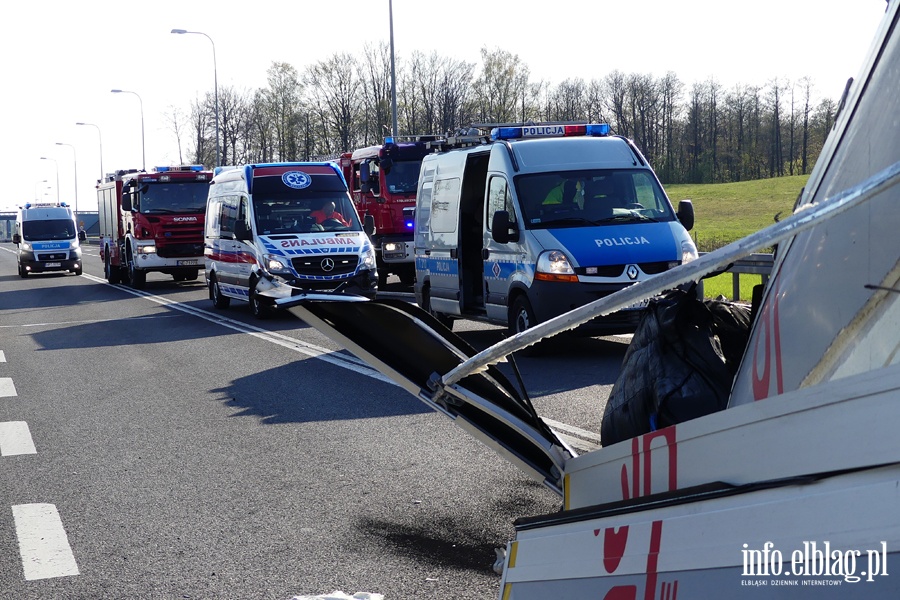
(368, 258)
(26, 246)
(276, 264)
(554, 265)
(147, 249)
(688, 251)
(391, 246)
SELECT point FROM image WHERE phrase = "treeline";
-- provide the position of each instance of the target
(700, 133)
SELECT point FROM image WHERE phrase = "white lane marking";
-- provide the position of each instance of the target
(43, 543)
(7, 388)
(576, 443)
(583, 433)
(15, 439)
(2, 356)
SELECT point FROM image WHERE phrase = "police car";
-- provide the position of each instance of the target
(536, 220)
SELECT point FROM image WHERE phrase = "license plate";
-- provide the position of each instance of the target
(187, 263)
(48, 265)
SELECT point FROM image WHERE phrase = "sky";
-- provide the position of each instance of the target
(59, 60)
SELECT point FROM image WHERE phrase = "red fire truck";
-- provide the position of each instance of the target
(152, 221)
(382, 181)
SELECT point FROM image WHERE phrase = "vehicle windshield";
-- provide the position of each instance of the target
(591, 197)
(172, 197)
(50, 229)
(403, 177)
(311, 212)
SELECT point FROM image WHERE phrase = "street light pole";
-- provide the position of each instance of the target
(99, 137)
(57, 175)
(75, 164)
(393, 76)
(143, 146)
(215, 85)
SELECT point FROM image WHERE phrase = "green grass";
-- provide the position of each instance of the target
(725, 212)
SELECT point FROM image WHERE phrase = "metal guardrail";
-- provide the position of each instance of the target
(753, 264)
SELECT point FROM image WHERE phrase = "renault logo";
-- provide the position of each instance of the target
(327, 264)
(632, 272)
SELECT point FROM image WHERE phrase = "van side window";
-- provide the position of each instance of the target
(445, 205)
(212, 219)
(229, 214)
(499, 198)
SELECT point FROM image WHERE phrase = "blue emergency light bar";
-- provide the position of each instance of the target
(183, 168)
(539, 131)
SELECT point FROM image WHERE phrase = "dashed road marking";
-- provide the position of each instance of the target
(7, 389)
(43, 543)
(15, 439)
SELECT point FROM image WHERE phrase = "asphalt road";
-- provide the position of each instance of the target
(154, 447)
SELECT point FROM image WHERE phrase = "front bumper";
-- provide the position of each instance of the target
(552, 298)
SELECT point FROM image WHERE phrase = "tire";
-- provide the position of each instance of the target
(521, 318)
(443, 319)
(407, 277)
(192, 275)
(137, 279)
(113, 274)
(215, 294)
(258, 308)
(77, 271)
(23, 273)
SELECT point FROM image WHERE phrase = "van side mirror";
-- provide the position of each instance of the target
(369, 224)
(685, 214)
(126, 201)
(17, 239)
(242, 232)
(501, 231)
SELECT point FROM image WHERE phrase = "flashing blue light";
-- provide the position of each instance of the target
(506, 133)
(63, 204)
(389, 139)
(598, 129)
(409, 224)
(28, 205)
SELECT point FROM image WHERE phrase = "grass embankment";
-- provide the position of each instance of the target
(725, 212)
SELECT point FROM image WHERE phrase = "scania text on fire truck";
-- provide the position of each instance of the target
(536, 220)
(382, 181)
(47, 239)
(152, 221)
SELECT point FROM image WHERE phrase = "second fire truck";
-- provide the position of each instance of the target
(383, 181)
(152, 221)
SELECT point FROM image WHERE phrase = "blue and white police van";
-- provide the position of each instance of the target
(533, 221)
(47, 239)
(279, 230)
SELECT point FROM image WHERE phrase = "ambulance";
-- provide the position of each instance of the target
(48, 239)
(534, 221)
(278, 230)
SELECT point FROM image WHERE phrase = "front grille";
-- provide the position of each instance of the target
(179, 250)
(654, 268)
(53, 256)
(317, 265)
(606, 271)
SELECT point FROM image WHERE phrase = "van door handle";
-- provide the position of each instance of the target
(485, 254)
(427, 253)
(453, 253)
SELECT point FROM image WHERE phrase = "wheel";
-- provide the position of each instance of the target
(259, 309)
(192, 275)
(23, 273)
(136, 278)
(77, 271)
(521, 317)
(113, 274)
(407, 277)
(443, 319)
(215, 294)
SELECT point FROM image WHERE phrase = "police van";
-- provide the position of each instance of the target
(277, 230)
(533, 221)
(47, 239)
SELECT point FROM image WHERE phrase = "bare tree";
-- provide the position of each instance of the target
(176, 120)
(334, 92)
(502, 82)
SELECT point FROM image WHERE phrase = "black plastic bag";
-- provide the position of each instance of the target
(680, 365)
